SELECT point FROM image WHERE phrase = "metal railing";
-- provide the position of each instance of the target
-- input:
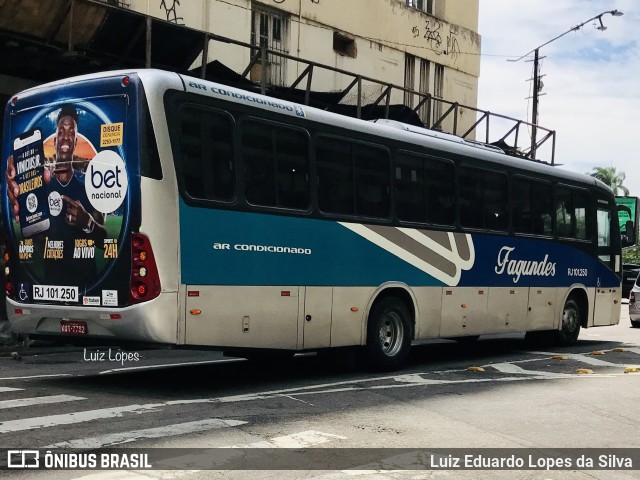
(451, 110)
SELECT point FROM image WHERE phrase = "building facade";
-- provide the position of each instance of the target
(428, 46)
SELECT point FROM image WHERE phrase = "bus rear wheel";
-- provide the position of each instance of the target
(571, 323)
(388, 334)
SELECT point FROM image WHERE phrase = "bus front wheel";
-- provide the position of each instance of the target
(571, 323)
(388, 334)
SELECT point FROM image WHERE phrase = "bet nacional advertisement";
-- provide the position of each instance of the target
(66, 197)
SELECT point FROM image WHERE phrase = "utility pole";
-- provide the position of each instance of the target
(536, 76)
(534, 114)
(537, 88)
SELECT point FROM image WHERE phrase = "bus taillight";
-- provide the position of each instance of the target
(145, 281)
(8, 284)
(632, 297)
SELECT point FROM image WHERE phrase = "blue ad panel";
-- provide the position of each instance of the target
(80, 182)
(237, 248)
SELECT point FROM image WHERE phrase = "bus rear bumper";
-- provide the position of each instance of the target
(155, 321)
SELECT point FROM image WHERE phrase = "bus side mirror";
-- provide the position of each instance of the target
(629, 236)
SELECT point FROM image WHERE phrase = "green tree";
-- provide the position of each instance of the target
(611, 177)
(631, 255)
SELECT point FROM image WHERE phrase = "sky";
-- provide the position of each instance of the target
(591, 78)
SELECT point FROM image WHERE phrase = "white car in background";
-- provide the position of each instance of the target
(634, 305)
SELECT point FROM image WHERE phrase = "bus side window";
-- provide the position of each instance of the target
(470, 197)
(335, 175)
(258, 163)
(275, 165)
(425, 189)
(292, 152)
(191, 153)
(542, 207)
(483, 199)
(495, 201)
(410, 187)
(440, 183)
(220, 181)
(572, 213)
(206, 154)
(521, 206)
(532, 206)
(372, 181)
(581, 213)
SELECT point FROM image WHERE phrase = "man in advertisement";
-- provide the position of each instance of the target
(76, 228)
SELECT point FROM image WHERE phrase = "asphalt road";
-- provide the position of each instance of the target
(498, 393)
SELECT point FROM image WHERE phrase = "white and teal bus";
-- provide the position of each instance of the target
(148, 206)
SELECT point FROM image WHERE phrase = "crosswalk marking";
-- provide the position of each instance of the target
(510, 368)
(591, 361)
(168, 365)
(580, 357)
(76, 417)
(27, 402)
(29, 377)
(112, 439)
(9, 389)
(304, 439)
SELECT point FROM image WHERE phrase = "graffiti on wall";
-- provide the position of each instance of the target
(171, 11)
(432, 33)
(453, 46)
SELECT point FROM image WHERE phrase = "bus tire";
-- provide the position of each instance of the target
(388, 334)
(570, 324)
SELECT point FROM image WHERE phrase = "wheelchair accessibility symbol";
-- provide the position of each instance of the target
(22, 293)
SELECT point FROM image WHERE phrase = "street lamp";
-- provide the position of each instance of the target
(536, 58)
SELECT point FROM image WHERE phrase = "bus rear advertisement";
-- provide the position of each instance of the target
(86, 163)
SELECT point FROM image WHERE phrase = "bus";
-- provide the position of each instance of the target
(148, 206)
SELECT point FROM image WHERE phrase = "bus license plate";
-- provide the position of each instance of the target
(55, 293)
(73, 327)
